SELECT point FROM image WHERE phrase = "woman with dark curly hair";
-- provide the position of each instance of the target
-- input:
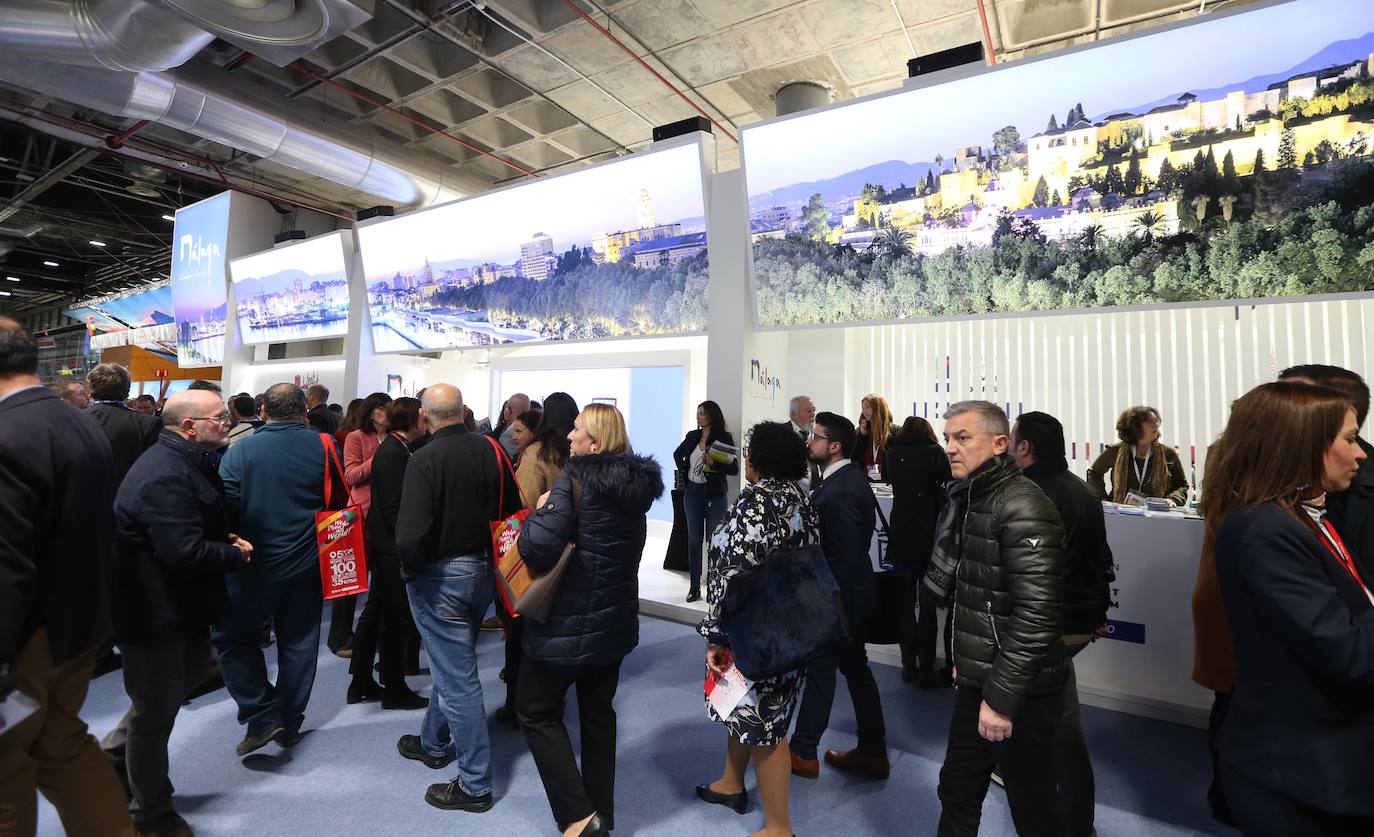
(772, 513)
(1139, 462)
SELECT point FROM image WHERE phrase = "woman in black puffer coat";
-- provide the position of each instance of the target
(600, 504)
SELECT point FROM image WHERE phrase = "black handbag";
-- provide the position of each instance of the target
(783, 612)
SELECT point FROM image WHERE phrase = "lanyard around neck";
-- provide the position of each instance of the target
(1333, 543)
(1141, 470)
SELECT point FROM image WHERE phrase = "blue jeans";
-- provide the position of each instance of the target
(449, 599)
(294, 605)
(700, 508)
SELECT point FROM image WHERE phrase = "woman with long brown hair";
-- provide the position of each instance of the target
(1297, 743)
(1139, 462)
(876, 431)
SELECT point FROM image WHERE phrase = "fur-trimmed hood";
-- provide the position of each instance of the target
(631, 481)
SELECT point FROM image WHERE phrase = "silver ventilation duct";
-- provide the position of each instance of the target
(200, 101)
(68, 49)
(115, 34)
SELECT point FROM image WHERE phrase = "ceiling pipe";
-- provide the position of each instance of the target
(205, 102)
(130, 35)
(987, 33)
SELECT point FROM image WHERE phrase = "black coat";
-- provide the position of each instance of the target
(1088, 573)
(595, 617)
(130, 434)
(56, 525)
(917, 472)
(323, 419)
(715, 474)
(1301, 722)
(171, 546)
(848, 511)
(388, 476)
(453, 490)
(862, 446)
(1009, 596)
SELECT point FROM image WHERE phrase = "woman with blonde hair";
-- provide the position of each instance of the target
(876, 432)
(1297, 742)
(1139, 462)
(599, 504)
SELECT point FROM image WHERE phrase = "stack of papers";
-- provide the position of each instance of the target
(722, 454)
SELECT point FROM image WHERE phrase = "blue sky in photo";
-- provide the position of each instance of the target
(320, 259)
(571, 208)
(134, 310)
(919, 124)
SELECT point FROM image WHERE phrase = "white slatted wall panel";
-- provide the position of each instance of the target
(1190, 363)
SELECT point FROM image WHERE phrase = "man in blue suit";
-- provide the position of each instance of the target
(848, 511)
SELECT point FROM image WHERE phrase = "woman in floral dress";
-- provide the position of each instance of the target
(771, 513)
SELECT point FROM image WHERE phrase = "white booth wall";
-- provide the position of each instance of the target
(1084, 369)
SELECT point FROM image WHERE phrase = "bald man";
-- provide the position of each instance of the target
(172, 550)
(453, 490)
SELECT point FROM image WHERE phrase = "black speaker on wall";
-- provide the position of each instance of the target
(944, 59)
(685, 126)
(289, 235)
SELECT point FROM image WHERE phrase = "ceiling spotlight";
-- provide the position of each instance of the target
(169, 217)
(95, 243)
(6, 293)
(50, 264)
(11, 278)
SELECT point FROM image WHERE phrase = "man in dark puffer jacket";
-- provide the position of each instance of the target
(1008, 626)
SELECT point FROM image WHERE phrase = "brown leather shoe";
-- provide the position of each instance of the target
(805, 768)
(857, 762)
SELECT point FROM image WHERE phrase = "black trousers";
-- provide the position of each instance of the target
(1025, 761)
(1216, 794)
(1072, 763)
(1265, 813)
(540, 705)
(382, 629)
(928, 631)
(341, 622)
(814, 715)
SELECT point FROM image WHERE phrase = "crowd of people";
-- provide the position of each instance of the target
(192, 530)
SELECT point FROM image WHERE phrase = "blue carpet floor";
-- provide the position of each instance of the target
(345, 778)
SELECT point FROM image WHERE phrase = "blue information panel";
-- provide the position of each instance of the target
(199, 289)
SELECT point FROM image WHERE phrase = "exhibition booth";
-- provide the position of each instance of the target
(1177, 244)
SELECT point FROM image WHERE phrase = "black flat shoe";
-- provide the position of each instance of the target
(405, 699)
(693, 595)
(737, 802)
(595, 827)
(506, 715)
(360, 692)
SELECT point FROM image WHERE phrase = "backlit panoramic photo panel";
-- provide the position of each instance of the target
(614, 250)
(1227, 159)
(291, 293)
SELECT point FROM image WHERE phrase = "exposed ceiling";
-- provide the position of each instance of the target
(495, 91)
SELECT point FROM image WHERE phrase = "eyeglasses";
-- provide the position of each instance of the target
(222, 418)
(813, 435)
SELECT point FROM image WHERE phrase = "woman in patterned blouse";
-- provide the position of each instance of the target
(771, 513)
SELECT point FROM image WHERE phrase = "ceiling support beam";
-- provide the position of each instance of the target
(46, 181)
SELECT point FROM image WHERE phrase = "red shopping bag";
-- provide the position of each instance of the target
(512, 576)
(339, 538)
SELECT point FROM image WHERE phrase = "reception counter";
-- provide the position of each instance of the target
(1142, 666)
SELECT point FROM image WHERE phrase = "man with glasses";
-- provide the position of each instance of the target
(847, 510)
(172, 551)
(274, 483)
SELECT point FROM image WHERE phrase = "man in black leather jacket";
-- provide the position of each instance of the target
(1008, 622)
